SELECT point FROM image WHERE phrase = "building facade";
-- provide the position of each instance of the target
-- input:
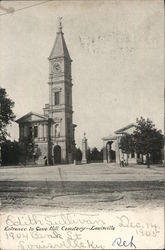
(111, 147)
(52, 133)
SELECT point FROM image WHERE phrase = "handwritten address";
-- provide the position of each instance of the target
(78, 231)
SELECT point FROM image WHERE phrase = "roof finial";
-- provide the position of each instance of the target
(59, 24)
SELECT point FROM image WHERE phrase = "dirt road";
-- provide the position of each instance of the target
(92, 186)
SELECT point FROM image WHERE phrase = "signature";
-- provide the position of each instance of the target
(51, 220)
(122, 243)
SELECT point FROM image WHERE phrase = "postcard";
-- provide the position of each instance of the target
(82, 124)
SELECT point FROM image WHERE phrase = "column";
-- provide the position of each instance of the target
(63, 155)
(32, 132)
(104, 152)
(53, 130)
(117, 151)
(108, 152)
(45, 131)
(23, 135)
(20, 135)
(21, 132)
(25, 131)
(120, 154)
(40, 131)
(84, 150)
(50, 94)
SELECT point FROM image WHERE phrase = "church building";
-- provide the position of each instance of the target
(52, 133)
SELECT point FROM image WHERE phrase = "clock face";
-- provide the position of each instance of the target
(56, 67)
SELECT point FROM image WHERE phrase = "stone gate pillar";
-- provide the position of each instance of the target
(104, 152)
(108, 153)
(117, 151)
(84, 150)
(109, 146)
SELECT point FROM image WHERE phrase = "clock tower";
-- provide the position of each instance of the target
(59, 110)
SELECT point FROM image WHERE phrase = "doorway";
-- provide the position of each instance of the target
(57, 154)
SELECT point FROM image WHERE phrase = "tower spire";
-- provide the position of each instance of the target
(59, 24)
(59, 48)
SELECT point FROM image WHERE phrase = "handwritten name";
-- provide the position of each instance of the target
(50, 220)
(122, 243)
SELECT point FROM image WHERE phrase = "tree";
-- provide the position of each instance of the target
(147, 139)
(10, 152)
(101, 155)
(78, 154)
(6, 113)
(88, 154)
(28, 151)
(95, 154)
(127, 144)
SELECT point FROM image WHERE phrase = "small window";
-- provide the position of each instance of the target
(56, 98)
(35, 131)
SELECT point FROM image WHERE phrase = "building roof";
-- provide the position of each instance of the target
(28, 117)
(110, 137)
(59, 48)
(124, 129)
(113, 136)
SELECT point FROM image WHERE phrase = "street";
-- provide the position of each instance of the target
(95, 186)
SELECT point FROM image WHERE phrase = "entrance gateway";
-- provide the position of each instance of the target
(111, 146)
(57, 154)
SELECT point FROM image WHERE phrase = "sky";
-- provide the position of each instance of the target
(117, 48)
